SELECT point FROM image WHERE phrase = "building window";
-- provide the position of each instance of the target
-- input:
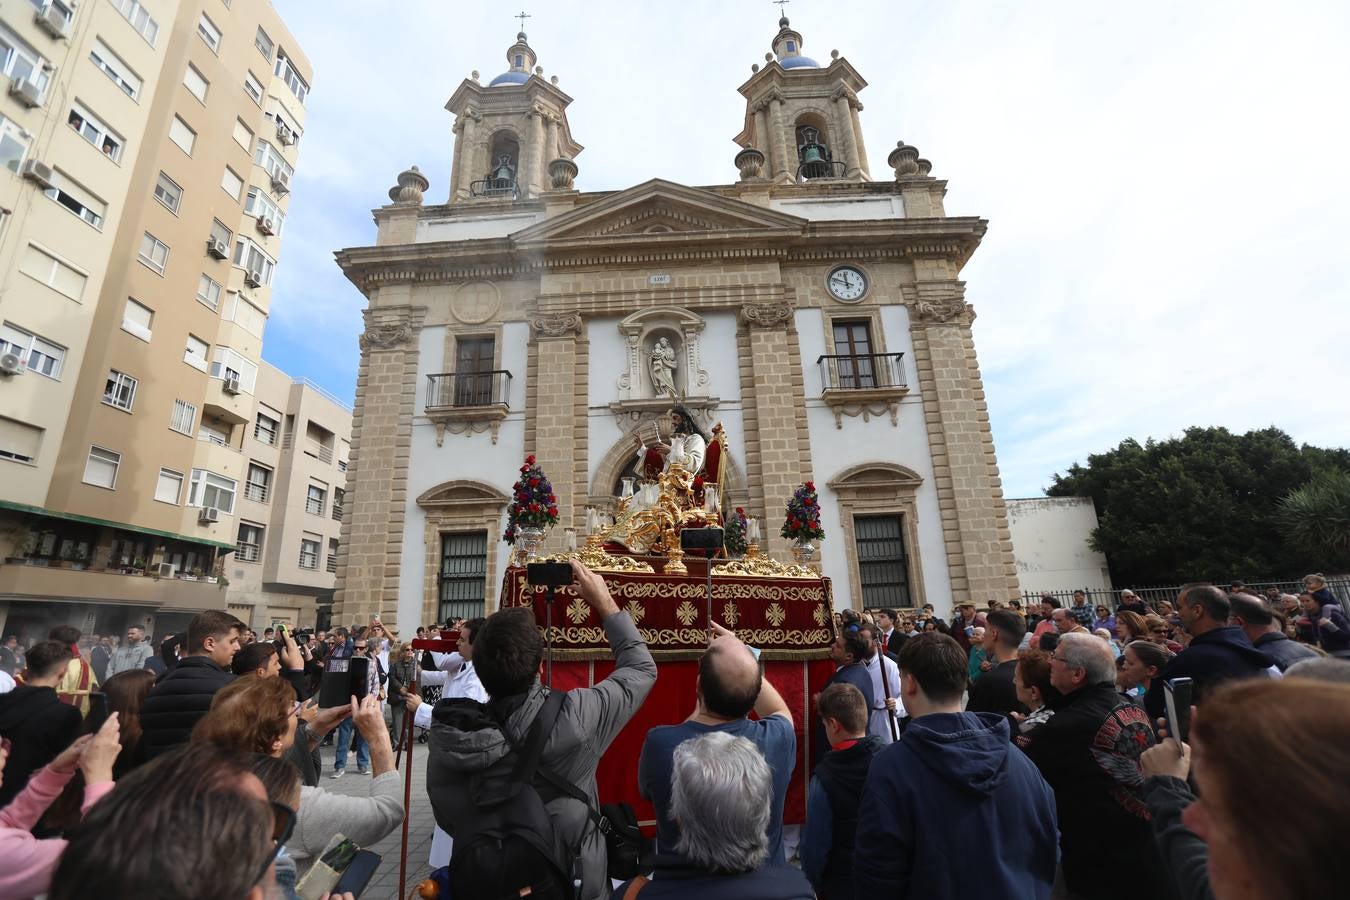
(154, 253)
(184, 417)
(77, 200)
(182, 135)
(252, 258)
(229, 364)
(169, 487)
(211, 490)
(268, 158)
(292, 78)
(221, 232)
(339, 496)
(253, 87)
(95, 132)
(473, 370)
(137, 319)
(196, 83)
(140, 20)
(100, 469)
(121, 75)
(792, 46)
(13, 145)
(264, 44)
(231, 183)
(194, 354)
(260, 205)
(20, 61)
(249, 545)
(168, 193)
(209, 33)
(245, 314)
(314, 499)
(54, 273)
(265, 430)
(19, 441)
(332, 556)
(309, 553)
(853, 349)
(119, 390)
(463, 575)
(883, 564)
(38, 355)
(212, 432)
(208, 292)
(259, 484)
(243, 135)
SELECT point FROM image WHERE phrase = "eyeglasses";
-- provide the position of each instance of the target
(283, 825)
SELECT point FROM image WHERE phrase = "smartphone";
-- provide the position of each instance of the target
(550, 574)
(357, 874)
(98, 710)
(1177, 694)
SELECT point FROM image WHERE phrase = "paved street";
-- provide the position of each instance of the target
(384, 886)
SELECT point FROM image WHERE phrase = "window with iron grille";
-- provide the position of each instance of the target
(338, 496)
(332, 556)
(258, 487)
(309, 554)
(248, 548)
(883, 563)
(314, 499)
(463, 575)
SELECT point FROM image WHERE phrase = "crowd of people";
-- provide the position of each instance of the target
(1006, 753)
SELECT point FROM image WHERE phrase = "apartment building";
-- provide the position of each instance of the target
(150, 146)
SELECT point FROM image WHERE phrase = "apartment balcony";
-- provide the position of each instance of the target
(310, 447)
(468, 402)
(226, 400)
(222, 459)
(864, 385)
(39, 582)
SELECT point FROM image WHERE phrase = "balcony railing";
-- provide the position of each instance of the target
(494, 187)
(332, 563)
(862, 372)
(821, 168)
(322, 452)
(245, 552)
(258, 493)
(337, 512)
(313, 506)
(468, 389)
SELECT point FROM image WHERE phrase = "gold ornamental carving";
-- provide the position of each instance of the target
(687, 613)
(731, 614)
(636, 611)
(578, 611)
(775, 614)
(820, 615)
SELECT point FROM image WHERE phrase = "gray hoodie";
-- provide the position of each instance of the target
(589, 720)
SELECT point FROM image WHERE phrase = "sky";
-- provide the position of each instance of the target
(1166, 184)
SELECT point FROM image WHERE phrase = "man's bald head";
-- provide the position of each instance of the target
(728, 678)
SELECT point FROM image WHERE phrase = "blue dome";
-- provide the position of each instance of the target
(794, 62)
(512, 78)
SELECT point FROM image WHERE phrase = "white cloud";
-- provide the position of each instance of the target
(1164, 182)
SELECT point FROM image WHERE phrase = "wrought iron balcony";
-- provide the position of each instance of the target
(821, 168)
(465, 390)
(494, 187)
(861, 372)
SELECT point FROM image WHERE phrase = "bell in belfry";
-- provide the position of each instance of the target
(813, 153)
(504, 171)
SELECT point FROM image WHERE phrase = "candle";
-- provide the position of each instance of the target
(752, 530)
(571, 537)
(590, 520)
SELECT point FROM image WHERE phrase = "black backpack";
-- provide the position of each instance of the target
(505, 846)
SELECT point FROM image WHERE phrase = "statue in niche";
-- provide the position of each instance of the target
(663, 366)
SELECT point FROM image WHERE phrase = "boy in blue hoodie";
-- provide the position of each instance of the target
(953, 779)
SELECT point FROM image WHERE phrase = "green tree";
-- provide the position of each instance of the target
(1202, 506)
(1316, 516)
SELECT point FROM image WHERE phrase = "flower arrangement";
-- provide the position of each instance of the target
(733, 533)
(802, 522)
(533, 503)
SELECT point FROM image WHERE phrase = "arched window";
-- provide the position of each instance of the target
(503, 163)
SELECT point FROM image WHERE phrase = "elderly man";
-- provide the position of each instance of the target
(1089, 753)
(729, 686)
(1130, 602)
(718, 785)
(1066, 623)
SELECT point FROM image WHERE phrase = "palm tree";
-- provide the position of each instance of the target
(1316, 516)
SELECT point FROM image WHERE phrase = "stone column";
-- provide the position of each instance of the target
(965, 469)
(369, 557)
(551, 151)
(555, 415)
(537, 153)
(454, 159)
(771, 384)
(784, 165)
(763, 140)
(845, 128)
(466, 154)
(858, 138)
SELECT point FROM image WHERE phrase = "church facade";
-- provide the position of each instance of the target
(812, 309)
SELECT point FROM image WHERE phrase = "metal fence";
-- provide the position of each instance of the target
(1151, 594)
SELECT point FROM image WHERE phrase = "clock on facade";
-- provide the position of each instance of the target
(847, 284)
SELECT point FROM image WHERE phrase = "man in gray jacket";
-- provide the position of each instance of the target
(508, 655)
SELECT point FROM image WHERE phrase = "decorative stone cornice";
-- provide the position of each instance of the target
(843, 92)
(386, 337)
(766, 315)
(556, 327)
(944, 311)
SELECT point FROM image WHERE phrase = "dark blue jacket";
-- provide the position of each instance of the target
(1282, 651)
(1211, 658)
(180, 699)
(676, 877)
(856, 675)
(954, 780)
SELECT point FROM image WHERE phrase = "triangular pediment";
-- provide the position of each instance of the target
(655, 208)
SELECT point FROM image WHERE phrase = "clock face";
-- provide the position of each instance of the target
(847, 283)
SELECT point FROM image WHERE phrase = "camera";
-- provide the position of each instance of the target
(347, 677)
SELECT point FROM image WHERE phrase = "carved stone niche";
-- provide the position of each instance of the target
(682, 330)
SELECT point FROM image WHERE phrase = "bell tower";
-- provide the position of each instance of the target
(512, 140)
(804, 116)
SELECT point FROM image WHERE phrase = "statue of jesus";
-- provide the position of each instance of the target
(688, 445)
(663, 369)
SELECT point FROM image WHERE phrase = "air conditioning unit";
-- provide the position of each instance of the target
(284, 134)
(266, 225)
(253, 279)
(230, 386)
(38, 172)
(215, 247)
(208, 514)
(26, 92)
(167, 570)
(11, 364)
(52, 20)
(281, 182)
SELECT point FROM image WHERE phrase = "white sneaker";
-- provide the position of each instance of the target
(338, 773)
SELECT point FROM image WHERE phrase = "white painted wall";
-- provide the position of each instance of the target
(465, 228)
(1050, 544)
(849, 209)
(470, 457)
